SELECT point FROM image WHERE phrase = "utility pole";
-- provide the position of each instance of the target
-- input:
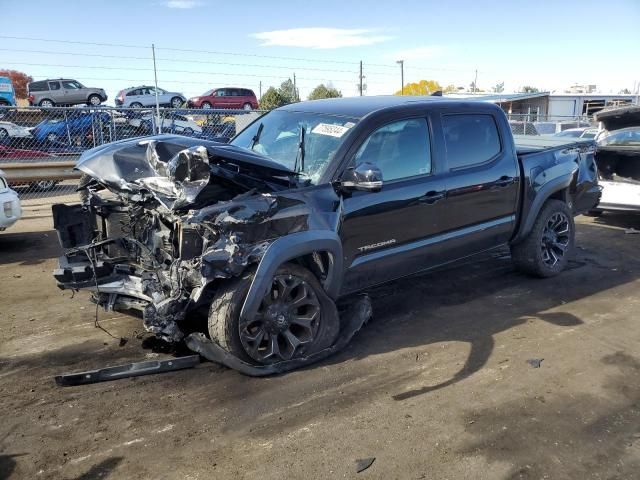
(361, 77)
(475, 82)
(401, 63)
(155, 75)
(295, 94)
(260, 90)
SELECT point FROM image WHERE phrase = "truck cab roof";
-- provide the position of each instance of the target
(359, 107)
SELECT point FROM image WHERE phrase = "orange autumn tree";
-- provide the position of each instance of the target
(423, 87)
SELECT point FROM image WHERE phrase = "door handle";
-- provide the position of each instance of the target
(431, 197)
(503, 181)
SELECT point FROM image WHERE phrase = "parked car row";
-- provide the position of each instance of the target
(66, 91)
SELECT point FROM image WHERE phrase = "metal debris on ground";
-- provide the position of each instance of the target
(127, 370)
(364, 463)
(535, 362)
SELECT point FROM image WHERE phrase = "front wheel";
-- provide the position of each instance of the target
(291, 322)
(546, 249)
(206, 106)
(176, 102)
(4, 134)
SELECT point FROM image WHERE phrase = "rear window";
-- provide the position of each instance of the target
(38, 87)
(470, 139)
(248, 93)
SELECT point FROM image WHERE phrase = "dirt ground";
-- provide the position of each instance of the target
(437, 386)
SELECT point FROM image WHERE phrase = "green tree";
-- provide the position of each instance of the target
(625, 91)
(423, 87)
(530, 89)
(322, 91)
(272, 99)
(289, 92)
(450, 89)
(499, 87)
(277, 97)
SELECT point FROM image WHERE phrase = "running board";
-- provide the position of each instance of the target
(128, 370)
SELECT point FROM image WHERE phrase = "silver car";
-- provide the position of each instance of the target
(63, 91)
(145, 96)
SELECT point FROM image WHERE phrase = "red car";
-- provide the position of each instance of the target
(227, 98)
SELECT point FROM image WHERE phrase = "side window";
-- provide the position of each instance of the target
(221, 93)
(470, 139)
(70, 85)
(400, 149)
(54, 85)
(132, 93)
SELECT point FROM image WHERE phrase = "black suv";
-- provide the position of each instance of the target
(310, 204)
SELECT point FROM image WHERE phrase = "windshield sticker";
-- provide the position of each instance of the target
(330, 130)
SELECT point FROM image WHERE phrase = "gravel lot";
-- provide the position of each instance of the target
(436, 386)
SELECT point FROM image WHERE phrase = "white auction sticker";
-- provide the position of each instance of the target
(329, 129)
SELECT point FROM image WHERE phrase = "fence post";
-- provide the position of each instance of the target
(66, 124)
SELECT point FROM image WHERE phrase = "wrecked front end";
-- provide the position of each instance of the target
(163, 219)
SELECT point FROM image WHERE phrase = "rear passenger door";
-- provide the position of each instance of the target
(482, 182)
(56, 94)
(387, 234)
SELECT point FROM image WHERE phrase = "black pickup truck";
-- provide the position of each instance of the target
(310, 204)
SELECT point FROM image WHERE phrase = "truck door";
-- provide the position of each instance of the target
(482, 182)
(386, 234)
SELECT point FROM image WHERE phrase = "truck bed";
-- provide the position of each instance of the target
(530, 143)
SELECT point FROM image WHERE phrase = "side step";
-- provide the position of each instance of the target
(127, 370)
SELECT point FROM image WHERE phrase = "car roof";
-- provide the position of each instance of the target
(358, 107)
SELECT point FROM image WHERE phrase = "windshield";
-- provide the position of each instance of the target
(207, 93)
(277, 136)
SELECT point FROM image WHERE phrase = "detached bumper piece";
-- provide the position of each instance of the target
(126, 371)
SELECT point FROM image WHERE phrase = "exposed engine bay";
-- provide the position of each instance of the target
(163, 218)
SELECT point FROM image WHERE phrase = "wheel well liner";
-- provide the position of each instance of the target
(288, 248)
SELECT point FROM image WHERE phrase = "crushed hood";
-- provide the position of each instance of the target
(618, 118)
(173, 168)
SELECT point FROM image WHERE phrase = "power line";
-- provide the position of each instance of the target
(191, 72)
(47, 52)
(215, 52)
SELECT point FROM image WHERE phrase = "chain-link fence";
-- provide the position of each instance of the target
(535, 124)
(40, 146)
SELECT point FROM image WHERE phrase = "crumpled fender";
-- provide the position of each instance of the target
(287, 248)
(351, 321)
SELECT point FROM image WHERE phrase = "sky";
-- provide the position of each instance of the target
(204, 44)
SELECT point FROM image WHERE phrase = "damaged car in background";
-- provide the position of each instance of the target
(277, 234)
(618, 158)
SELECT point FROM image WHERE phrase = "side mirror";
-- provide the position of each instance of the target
(365, 177)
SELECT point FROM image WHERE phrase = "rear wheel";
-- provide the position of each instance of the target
(546, 249)
(289, 322)
(136, 105)
(46, 103)
(4, 134)
(188, 131)
(52, 137)
(94, 100)
(247, 106)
